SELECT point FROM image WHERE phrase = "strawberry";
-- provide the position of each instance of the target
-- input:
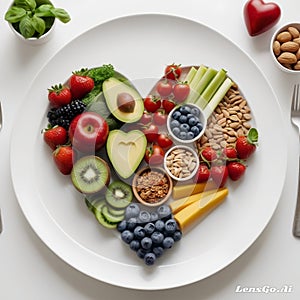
(208, 154)
(219, 174)
(246, 145)
(202, 174)
(236, 170)
(80, 85)
(63, 158)
(55, 136)
(59, 95)
(229, 153)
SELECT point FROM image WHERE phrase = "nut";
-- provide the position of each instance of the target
(287, 58)
(294, 32)
(289, 47)
(276, 48)
(284, 36)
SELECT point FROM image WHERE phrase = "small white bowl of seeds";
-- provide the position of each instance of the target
(181, 162)
(285, 48)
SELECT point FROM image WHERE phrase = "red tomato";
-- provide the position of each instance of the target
(152, 103)
(164, 88)
(208, 154)
(168, 105)
(146, 118)
(164, 141)
(160, 118)
(154, 155)
(151, 133)
(181, 92)
(202, 174)
(173, 71)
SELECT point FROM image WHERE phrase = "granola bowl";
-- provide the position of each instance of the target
(152, 186)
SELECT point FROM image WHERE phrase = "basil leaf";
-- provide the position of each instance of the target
(61, 14)
(26, 4)
(38, 24)
(15, 14)
(26, 27)
(44, 11)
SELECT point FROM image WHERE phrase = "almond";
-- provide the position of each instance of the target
(289, 47)
(298, 54)
(287, 58)
(297, 40)
(297, 66)
(284, 36)
(294, 32)
(276, 48)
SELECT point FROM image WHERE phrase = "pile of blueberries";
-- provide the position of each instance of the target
(185, 122)
(149, 234)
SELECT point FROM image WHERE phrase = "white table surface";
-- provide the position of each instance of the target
(29, 270)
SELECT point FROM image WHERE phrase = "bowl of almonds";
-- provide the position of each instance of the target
(285, 48)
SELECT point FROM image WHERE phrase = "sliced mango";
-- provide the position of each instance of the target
(198, 209)
(185, 190)
(181, 203)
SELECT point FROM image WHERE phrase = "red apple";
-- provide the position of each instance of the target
(88, 132)
(260, 16)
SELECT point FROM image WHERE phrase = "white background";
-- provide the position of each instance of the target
(29, 270)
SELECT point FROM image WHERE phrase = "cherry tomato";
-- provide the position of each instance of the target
(164, 88)
(202, 174)
(164, 141)
(152, 103)
(168, 105)
(173, 71)
(181, 92)
(154, 155)
(160, 118)
(208, 154)
(151, 133)
(146, 118)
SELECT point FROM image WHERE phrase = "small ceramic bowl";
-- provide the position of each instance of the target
(285, 48)
(180, 124)
(144, 182)
(181, 162)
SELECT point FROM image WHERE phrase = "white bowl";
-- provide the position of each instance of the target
(202, 119)
(277, 63)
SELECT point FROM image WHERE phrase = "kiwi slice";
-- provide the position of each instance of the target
(101, 218)
(90, 174)
(110, 217)
(118, 194)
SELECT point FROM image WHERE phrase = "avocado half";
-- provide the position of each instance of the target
(112, 87)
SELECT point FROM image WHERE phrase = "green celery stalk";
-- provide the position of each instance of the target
(217, 97)
(190, 75)
(205, 80)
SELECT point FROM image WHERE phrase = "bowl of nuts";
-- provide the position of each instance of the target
(181, 162)
(152, 186)
(285, 48)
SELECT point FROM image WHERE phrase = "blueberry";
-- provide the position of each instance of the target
(146, 243)
(177, 235)
(154, 216)
(192, 121)
(174, 123)
(132, 210)
(141, 253)
(149, 259)
(134, 245)
(189, 135)
(182, 135)
(195, 111)
(160, 225)
(199, 125)
(122, 226)
(176, 131)
(164, 211)
(131, 223)
(157, 237)
(149, 228)
(182, 119)
(139, 232)
(158, 251)
(144, 216)
(168, 242)
(190, 116)
(195, 130)
(170, 226)
(184, 127)
(127, 236)
(185, 110)
(176, 114)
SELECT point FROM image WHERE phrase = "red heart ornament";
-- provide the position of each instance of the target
(260, 16)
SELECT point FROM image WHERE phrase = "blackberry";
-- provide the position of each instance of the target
(63, 116)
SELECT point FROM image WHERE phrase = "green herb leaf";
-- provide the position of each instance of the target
(26, 27)
(38, 24)
(26, 4)
(44, 11)
(102, 73)
(15, 14)
(252, 136)
(61, 14)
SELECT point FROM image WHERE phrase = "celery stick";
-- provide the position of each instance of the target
(193, 92)
(205, 80)
(217, 97)
(190, 75)
(214, 85)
